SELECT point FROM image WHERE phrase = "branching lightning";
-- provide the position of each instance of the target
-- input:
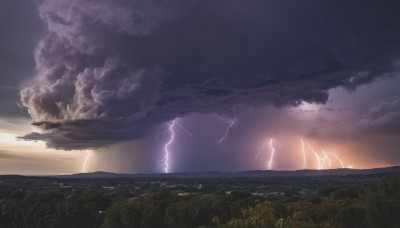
(225, 137)
(324, 160)
(185, 130)
(268, 163)
(89, 154)
(166, 151)
(171, 130)
(339, 160)
(261, 148)
(317, 157)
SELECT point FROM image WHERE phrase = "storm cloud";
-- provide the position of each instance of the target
(382, 118)
(111, 71)
(20, 29)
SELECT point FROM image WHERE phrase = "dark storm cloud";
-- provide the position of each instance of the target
(10, 106)
(383, 117)
(20, 30)
(110, 71)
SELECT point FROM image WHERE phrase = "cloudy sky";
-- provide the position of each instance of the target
(223, 85)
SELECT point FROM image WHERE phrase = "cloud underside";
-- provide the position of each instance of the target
(383, 117)
(110, 71)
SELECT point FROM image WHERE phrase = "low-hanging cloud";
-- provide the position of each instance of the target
(110, 71)
(383, 117)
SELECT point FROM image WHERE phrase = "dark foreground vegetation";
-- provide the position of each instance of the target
(283, 202)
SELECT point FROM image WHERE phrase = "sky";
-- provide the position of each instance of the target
(146, 86)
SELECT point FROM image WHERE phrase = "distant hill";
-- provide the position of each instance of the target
(243, 174)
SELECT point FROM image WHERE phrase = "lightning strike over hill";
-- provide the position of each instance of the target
(268, 163)
(89, 154)
(325, 159)
(317, 157)
(340, 161)
(171, 130)
(166, 149)
(261, 148)
(271, 160)
(304, 154)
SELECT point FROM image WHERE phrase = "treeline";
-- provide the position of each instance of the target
(372, 206)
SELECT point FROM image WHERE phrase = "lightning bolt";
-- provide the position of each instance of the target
(268, 163)
(317, 157)
(185, 130)
(163, 133)
(171, 130)
(261, 148)
(225, 137)
(89, 154)
(303, 151)
(325, 159)
(272, 155)
(338, 159)
(166, 150)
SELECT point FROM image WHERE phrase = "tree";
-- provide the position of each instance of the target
(383, 205)
(262, 215)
